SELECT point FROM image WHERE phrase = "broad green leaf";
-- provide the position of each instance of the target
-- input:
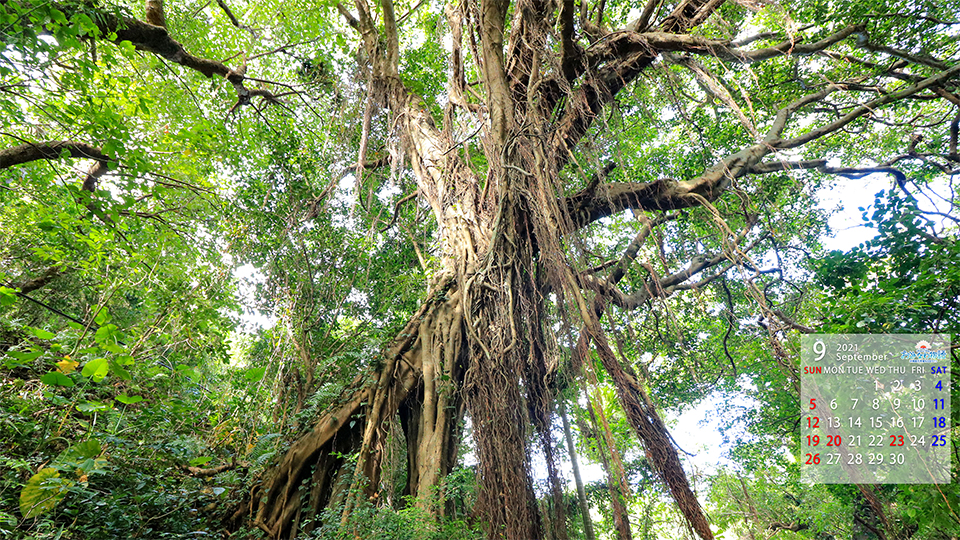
(93, 406)
(102, 317)
(254, 374)
(96, 369)
(114, 348)
(196, 462)
(89, 449)
(39, 333)
(129, 400)
(26, 356)
(55, 378)
(125, 360)
(106, 333)
(42, 493)
(8, 296)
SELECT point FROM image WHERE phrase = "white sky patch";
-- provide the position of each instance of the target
(388, 192)
(358, 297)
(416, 40)
(696, 432)
(842, 197)
(248, 276)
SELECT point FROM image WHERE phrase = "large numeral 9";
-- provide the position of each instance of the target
(820, 350)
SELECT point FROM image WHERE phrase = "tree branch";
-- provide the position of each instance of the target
(235, 21)
(492, 20)
(863, 42)
(154, 14)
(392, 58)
(30, 285)
(713, 87)
(347, 16)
(213, 471)
(864, 109)
(27, 152)
(689, 14)
(591, 204)
(396, 209)
(627, 42)
(643, 22)
(621, 67)
(659, 287)
(585, 206)
(571, 53)
(155, 39)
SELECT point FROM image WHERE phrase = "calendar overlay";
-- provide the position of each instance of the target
(875, 409)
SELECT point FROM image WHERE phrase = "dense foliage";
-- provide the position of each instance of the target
(403, 269)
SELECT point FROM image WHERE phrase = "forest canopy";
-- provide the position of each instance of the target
(413, 269)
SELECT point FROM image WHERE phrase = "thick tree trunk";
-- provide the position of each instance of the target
(313, 474)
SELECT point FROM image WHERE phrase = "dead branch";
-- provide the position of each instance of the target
(213, 471)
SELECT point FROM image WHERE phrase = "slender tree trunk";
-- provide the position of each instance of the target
(621, 517)
(581, 493)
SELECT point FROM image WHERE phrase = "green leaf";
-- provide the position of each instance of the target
(96, 369)
(254, 374)
(129, 400)
(102, 317)
(25, 356)
(42, 493)
(120, 371)
(88, 449)
(93, 406)
(39, 333)
(7, 296)
(126, 46)
(106, 333)
(55, 378)
(125, 360)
